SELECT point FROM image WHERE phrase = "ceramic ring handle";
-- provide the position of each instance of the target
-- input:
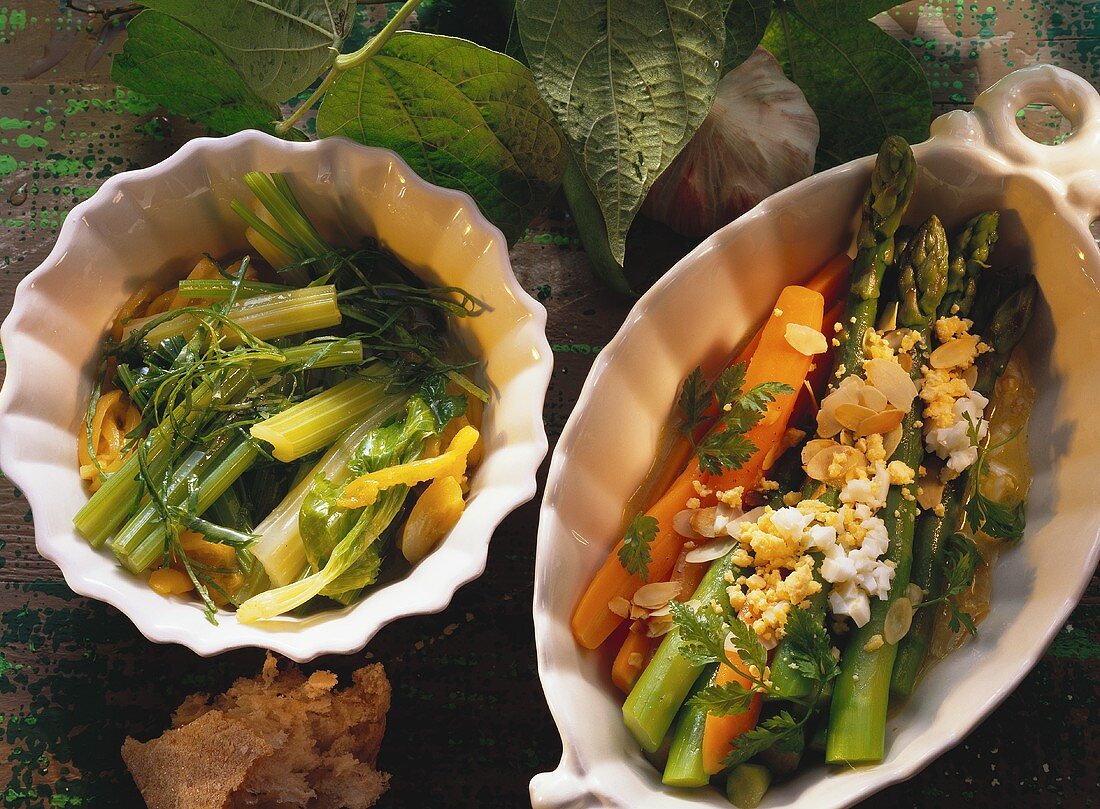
(1075, 161)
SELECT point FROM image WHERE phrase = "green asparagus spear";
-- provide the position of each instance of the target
(654, 700)
(857, 723)
(970, 251)
(747, 785)
(1008, 325)
(892, 181)
(684, 767)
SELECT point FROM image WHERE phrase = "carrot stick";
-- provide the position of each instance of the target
(631, 659)
(775, 360)
(721, 731)
(637, 649)
(830, 280)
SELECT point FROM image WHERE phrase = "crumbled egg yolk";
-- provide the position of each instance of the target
(950, 406)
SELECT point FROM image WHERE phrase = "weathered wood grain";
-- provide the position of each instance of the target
(469, 725)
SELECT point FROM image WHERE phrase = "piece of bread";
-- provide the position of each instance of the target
(278, 740)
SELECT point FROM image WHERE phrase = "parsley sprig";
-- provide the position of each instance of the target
(704, 635)
(726, 446)
(634, 553)
(993, 519)
(961, 563)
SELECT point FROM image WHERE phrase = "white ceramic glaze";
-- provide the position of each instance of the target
(155, 223)
(703, 308)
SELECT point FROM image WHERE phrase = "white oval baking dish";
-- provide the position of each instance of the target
(156, 221)
(703, 309)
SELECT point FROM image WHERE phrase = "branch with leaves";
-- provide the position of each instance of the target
(705, 637)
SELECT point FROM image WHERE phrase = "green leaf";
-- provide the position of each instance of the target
(184, 72)
(746, 22)
(630, 83)
(693, 401)
(725, 449)
(724, 700)
(727, 387)
(811, 651)
(747, 643)
(634, 553)
(861, 82)
(701, 634)
(768, 733)
(461, 116)
(279, 47)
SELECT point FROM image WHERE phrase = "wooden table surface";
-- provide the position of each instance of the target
(468, 726)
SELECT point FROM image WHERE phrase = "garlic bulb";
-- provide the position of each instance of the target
(759, 137)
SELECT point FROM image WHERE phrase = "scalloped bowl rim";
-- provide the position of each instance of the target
(585, 778)
(305, 640)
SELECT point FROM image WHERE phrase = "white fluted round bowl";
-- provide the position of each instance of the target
(703, 308)
(155, 223)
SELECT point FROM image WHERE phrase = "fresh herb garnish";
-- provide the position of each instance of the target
(727, 446)
(634, 554)
(704, 637)
(993, 519)
(694, 400)
(961, 562)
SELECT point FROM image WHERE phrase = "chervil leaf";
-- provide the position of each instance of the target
(995, 519)
(962, 560)
(702, 634)
(724, 700)
(762, 395)
(634, 553)
(756, 741)
(810, 648)
(693, 401)
(747, 644)
(961, 619)
(728, 449)
(727, 388)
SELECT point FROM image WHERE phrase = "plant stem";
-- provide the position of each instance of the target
(346, 61)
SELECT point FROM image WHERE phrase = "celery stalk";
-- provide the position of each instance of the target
(279, 547)
(220, 289)
(265, 317)
(317, 422)
(140, 542)
(106, 510)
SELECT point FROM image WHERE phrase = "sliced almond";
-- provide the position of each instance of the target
(955, 353)
(805, 340)
(881, 423)
(888, 321)
(710, 522)
(681, 524)
(873, 398)
(970, 376)
(898, 620)
(895, 338)
(844, 459)
(915, 594)
(815, 446)
(620, 606)
(661, 613)
(891, 379)
(657, 594)
(637, 612)
(929, 491)
(851, 416)
(710, 551)
(890, 441)
(906, 362)
(656, 629)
